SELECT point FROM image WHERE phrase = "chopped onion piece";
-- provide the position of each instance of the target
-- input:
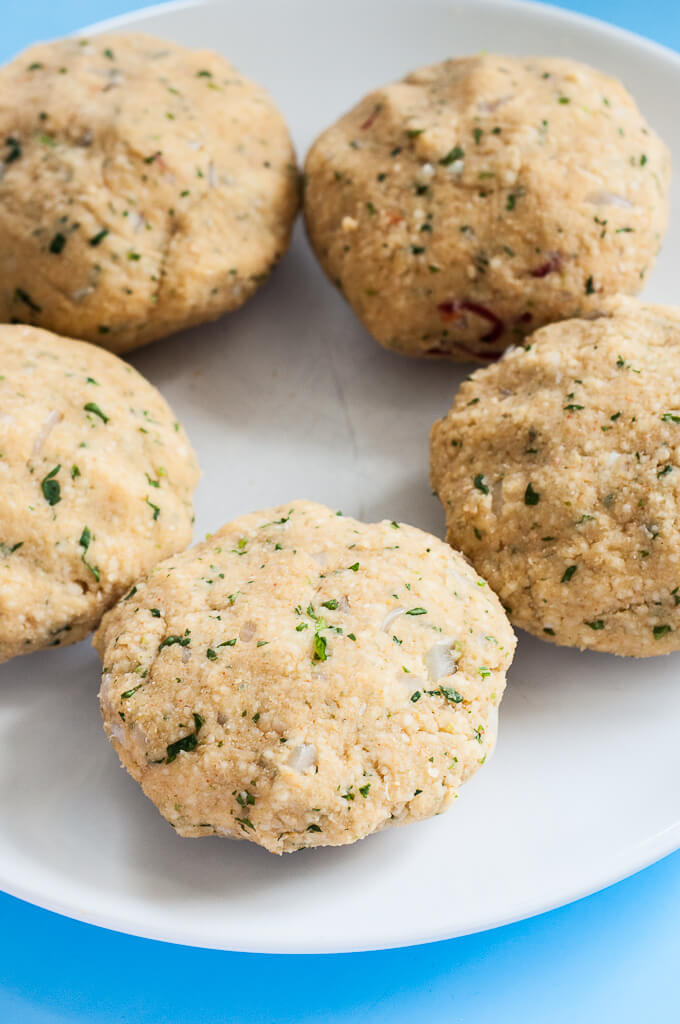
(248, 630)
(441, 660)
(302, 757)
(118, 733)
(390, 617)
(50, 423)
(605, 198)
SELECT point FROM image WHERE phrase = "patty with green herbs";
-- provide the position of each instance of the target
(144, 187)
(302, 678)
(559, 471)
(478, 199)
(96, 483)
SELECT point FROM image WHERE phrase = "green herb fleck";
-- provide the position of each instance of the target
(21, 296)
(531, 497)
(457, 153)
(156, 510)
(50, 487)
(186, 743)
(319, 648)
(182, 641)
(58, 243)
(568, 573)
(84, 542)
(14, 149)
(96, 411)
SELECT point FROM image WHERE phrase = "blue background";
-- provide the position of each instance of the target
(612, 957)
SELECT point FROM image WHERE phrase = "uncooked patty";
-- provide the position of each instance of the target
(96, 478)
(559, 470)
(480, 198)
(304, 679)
(144, 187)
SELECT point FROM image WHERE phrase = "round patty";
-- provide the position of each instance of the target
(145, 187)
(96, 478)
(559, 470)
(304, 679)
(480, 198)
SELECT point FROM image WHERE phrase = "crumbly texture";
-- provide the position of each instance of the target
(144, 187)
(480, 198)
(96, 479)
(304, 679)
(559, 470)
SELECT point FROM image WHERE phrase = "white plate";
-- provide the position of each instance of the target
(290, 398)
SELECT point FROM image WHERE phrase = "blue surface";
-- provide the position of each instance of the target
(612, 957)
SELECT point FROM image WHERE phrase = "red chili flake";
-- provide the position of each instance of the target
(369, 120)
(553, 263)
(452, 310)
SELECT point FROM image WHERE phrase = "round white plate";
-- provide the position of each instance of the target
(290, 398)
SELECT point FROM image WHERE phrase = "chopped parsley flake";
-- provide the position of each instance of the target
(531, 497)
(416, 611)
(568, 573)
(21, 296)
(50, 487)
(186, 743)
(14, 148)
(96, 411)
(245, 823)
(457, 153)
(319, 648)
(660, 631)
(480, 484)
(181, 641)
(130, 693)
(58, 243)
(84, 542)
(155, 508)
